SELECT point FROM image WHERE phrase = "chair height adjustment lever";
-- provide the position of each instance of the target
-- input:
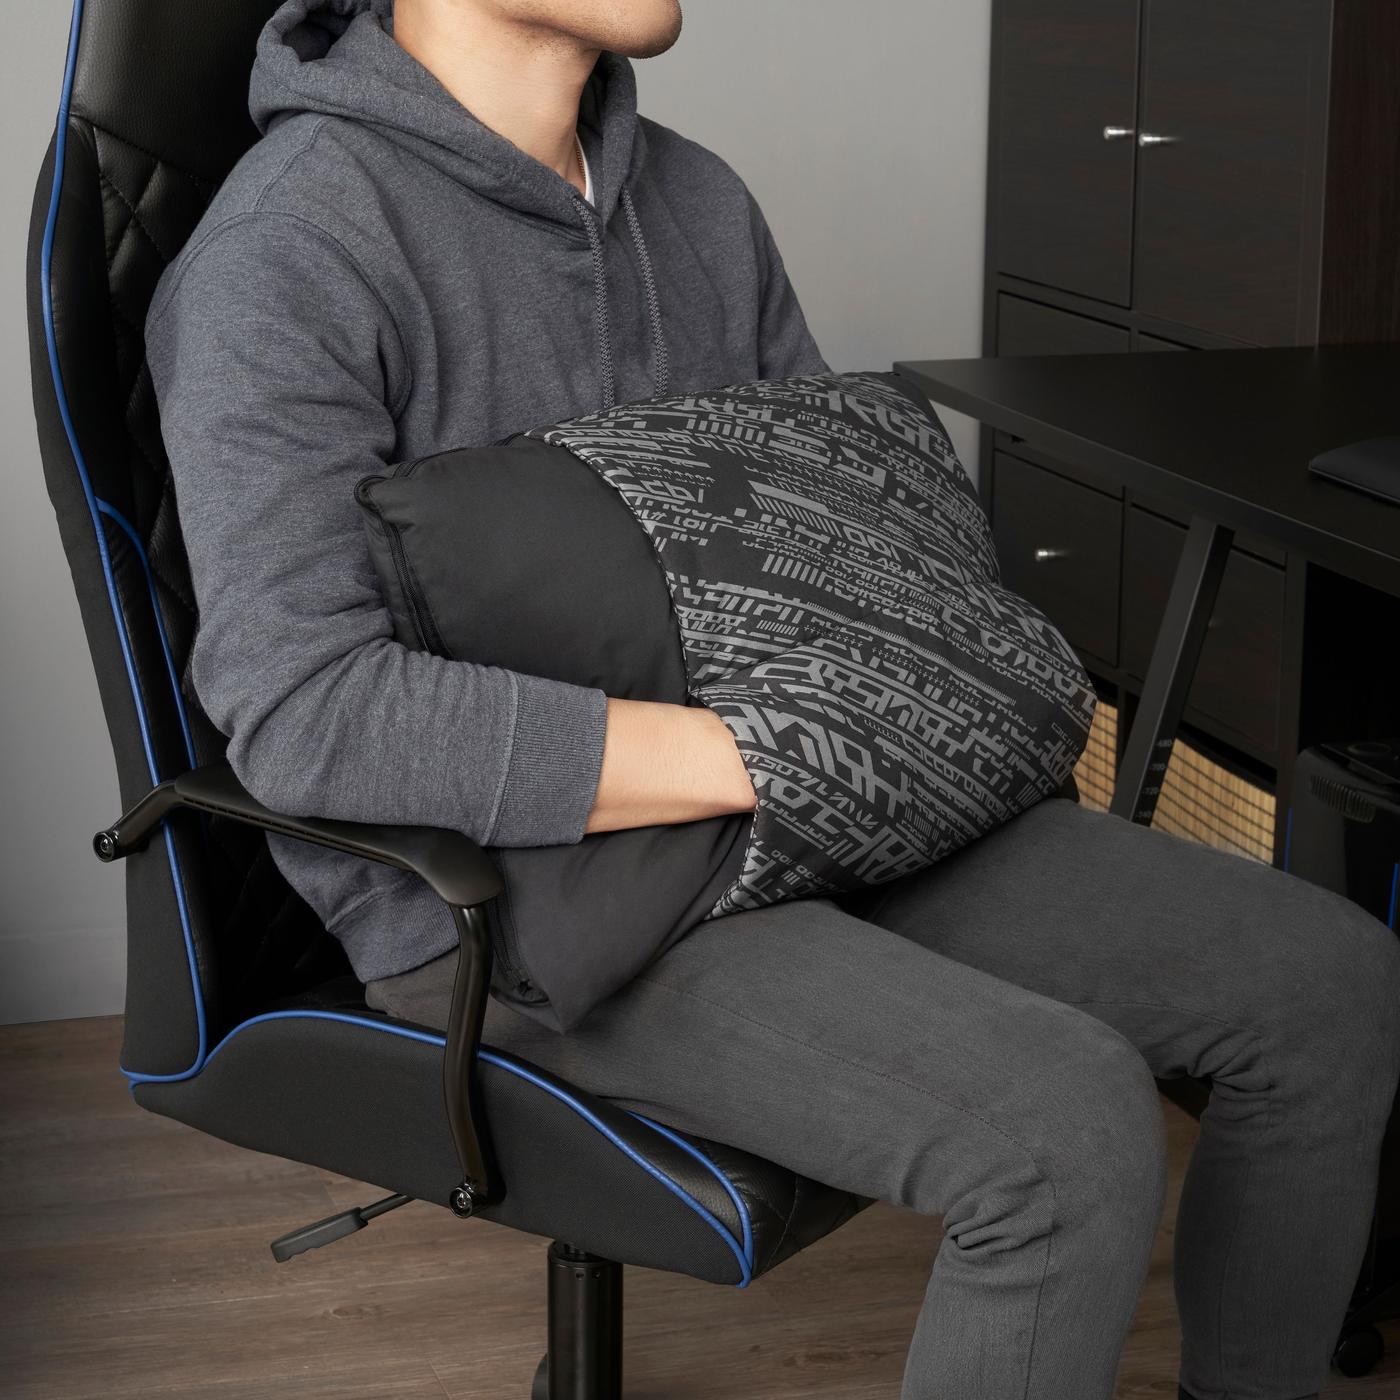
(333, 1228)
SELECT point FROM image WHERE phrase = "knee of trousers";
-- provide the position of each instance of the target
(1335, 1009)
(1366, 957)
(1089, 1154)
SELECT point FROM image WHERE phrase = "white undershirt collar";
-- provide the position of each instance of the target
(587, 173)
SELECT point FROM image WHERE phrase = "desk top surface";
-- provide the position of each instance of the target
(1226, 434)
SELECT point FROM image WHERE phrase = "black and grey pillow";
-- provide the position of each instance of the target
(827, 585)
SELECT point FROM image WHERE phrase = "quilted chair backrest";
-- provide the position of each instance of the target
(153, 115)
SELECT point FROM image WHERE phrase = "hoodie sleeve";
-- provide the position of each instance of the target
(278, 371)
(785, 345)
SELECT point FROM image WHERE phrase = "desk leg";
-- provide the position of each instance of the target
(1174, 656)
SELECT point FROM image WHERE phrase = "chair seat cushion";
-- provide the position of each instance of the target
(807, 558)
(328, 1082)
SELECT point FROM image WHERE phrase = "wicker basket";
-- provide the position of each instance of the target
(1200, 799)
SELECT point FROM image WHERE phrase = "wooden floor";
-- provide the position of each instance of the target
(134, 1262)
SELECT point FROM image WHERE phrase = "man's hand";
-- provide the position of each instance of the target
(664, 764)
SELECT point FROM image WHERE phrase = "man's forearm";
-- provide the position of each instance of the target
(664, 764)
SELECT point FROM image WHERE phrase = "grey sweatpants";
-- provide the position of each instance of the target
(981, 1043)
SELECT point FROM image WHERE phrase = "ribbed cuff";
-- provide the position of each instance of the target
(555, 759)
(402, 927)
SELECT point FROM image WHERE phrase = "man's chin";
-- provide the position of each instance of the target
(657, 44)
(632, 28)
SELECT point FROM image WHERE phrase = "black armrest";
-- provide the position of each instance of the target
(450, 861)
(453, 865)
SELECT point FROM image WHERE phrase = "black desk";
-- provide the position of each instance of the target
(1225, 435)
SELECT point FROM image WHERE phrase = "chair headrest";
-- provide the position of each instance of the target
(171, 77)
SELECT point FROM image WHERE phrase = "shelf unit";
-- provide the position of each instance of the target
(1180, 175)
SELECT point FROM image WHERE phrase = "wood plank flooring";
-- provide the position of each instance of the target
(134, 1262)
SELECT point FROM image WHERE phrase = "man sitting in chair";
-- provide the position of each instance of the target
(456, 226)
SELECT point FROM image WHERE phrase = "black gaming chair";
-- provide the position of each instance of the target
(242, 1017)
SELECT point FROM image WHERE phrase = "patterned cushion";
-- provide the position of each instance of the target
(832, 587)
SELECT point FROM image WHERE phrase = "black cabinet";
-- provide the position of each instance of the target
(1058, 542)
(1232, 102)
(1069, 70)
(1235, 691)
(1169, 175)
(1212, 171)
(1031, 328)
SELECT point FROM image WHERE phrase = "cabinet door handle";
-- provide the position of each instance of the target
(1117, 133)
(1151, 138)
(1043, 556)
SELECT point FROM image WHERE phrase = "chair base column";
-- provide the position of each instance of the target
(584, 1360)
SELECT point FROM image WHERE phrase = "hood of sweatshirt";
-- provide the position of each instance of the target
(340, 57)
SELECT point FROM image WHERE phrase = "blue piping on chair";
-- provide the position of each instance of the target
(97, 507)
(743, 1253)
(1394, 892)
(126, 526)
(709, 1166)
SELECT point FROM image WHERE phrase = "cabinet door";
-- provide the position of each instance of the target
(1064, 204)
(1231, 109)
(1031, 328)
(1237, 680)
(1059, 545)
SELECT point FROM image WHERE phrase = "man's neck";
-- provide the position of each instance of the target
(523, 81)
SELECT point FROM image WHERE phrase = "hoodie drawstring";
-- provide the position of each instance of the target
(661, 366)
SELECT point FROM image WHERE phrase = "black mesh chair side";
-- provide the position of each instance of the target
(243, 1019)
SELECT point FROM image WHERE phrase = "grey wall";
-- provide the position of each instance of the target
(861, 129)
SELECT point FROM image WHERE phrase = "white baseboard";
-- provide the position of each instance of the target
(70, 972)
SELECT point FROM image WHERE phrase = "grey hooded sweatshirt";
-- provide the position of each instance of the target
(381, 277)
